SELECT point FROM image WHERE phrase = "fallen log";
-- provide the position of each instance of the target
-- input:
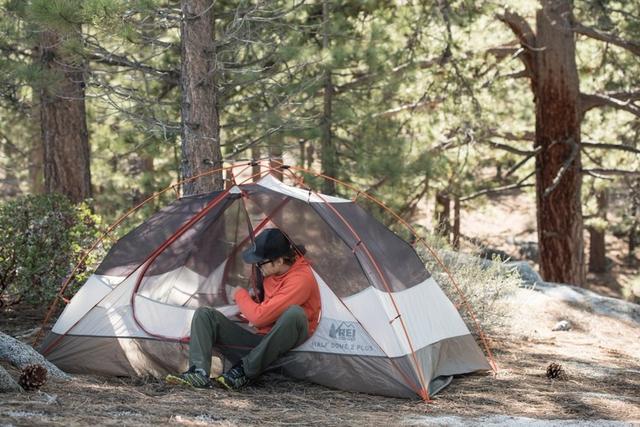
(7, 383)
(20, 355)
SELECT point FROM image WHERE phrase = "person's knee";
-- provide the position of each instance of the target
(294, 314)
(206, 314)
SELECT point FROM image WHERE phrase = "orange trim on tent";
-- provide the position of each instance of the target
(299, 179)
(468, 308)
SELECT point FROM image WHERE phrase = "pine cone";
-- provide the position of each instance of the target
(33, 377)
(556, 372)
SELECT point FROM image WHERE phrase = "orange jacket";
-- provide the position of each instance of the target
(297, 286)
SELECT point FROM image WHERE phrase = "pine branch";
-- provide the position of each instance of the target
(526, 37)
(395, 72)
(103, 56)
(519, 184)
(521, 163)
(610, 172)
(593, 33)
(526, 136)
(501, 52)
(563, 169)
(428, 103)
(618, 100)
(611, 146)
(510, 149)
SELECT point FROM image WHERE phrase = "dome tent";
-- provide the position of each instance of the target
(385, 327)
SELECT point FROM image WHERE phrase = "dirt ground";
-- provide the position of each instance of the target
(600, 354)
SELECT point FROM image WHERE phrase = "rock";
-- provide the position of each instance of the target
(563, 325)
(528, 275)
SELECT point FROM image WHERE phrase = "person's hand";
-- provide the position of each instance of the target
(231, 293)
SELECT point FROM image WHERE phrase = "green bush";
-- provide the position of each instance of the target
(41, 239)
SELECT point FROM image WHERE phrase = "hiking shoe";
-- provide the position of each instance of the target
(233, 379)
(194, 377)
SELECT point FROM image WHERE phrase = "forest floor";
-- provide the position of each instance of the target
(600, 354)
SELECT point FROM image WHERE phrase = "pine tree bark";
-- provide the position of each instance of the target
(328, 155)
(275, 158)
(443, 215)
(597, 247)
(558, 176)
(63, 125)
(456, 222)
(255, 169)
(200, 119)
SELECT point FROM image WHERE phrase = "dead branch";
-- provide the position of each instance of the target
(593, 33)
(397, 71)
(496, 190)
(517, 75)
(563, 169)
(611, 172)
(527, 136)
(510, 149)
(610, 146)
(7, 383)
(20, 355)
(590, 101)
(526, 37)
(521, 163)
(501, 52)
(428, 103)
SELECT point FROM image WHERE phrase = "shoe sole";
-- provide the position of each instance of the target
(174, 380)
(224, 385)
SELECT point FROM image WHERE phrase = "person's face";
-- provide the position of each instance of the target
(271, 267)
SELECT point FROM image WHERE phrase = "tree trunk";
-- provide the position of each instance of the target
(633, 230)
(329, 155)
(443, 214)
(456, 222)
(275, 158)
(200, 122)
(558, 177)
(597, 248)
(255, 169)
(36, 146)
(65, 138)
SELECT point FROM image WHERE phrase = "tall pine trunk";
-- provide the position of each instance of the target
(597, 243)
(200, 121)
(63, 125)
(328, 154)
(558, 175)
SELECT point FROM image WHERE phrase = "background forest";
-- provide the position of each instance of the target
(431, 106)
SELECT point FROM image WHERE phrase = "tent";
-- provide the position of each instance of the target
(386, 327)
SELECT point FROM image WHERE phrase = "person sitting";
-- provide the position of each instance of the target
(285, 317)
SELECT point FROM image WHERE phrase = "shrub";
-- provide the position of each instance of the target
(486, 285)
(42, 238)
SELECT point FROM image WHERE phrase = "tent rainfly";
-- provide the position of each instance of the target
(385, 327)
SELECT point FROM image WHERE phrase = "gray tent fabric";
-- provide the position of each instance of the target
(386, 326)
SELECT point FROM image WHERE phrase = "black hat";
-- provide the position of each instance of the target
(269, 245)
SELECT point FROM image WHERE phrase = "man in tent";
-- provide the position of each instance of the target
(284, 318)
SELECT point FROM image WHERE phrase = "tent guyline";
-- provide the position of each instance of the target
(382, 311)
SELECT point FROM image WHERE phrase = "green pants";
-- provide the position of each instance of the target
(210, 328)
